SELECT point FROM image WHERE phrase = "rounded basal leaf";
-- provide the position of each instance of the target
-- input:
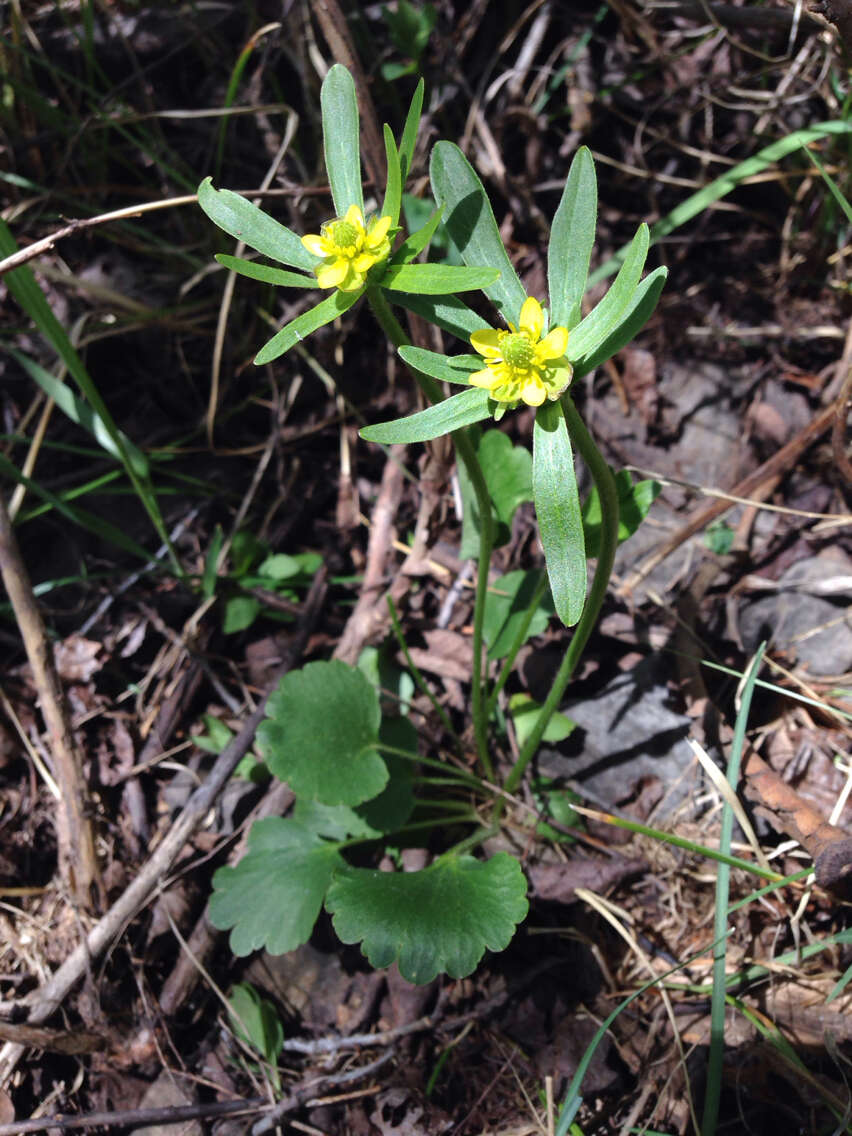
(441, 919)
(272, 897)
(506, 606)
(508, 472)
(320, 734)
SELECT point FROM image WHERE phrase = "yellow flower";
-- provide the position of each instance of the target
(349, 249)
(520, 365)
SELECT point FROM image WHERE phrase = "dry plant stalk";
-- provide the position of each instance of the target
(77, 864)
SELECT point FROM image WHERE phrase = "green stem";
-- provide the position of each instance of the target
(466, 453)
(605, 482)
(517, 643)
(419, 680)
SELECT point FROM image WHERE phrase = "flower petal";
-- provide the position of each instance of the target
(355, 217)
(364, 261)
(331, 275)
(553, 345)
(532, 318)
(317, 245)
(557, 378)
(485, 378)
(377, 231)
(533, 392)
(487, 342)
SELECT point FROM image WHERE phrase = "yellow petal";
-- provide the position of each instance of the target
(532, 318)
(355, 217)
(331, 275)
(557, 378)
(553, 345)
(378, 231)
(487, 342)
(484, 378)
(354, 281)
(364, 261)
(533, 393)
(316, 244)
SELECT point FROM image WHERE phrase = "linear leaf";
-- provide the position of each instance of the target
(409, 131)
(393, 190)
(605, 317)
(341, 141)
(638, 312)
(241, 219)
(469, 219)
(448, 312)
(265, 272)
(437, 279)
(449, 369)
(557, 506)
(418, 241)
(461, 410)
(305, 324)
(571, 238)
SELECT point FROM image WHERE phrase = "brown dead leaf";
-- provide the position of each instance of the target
(7, 1109)
(76, 658)
(447, 653)
(557, 882)
(640, 381)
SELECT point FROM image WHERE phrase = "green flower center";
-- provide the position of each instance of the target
(518, 351)
(343, 234)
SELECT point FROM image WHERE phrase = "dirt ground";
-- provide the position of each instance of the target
(734, 397)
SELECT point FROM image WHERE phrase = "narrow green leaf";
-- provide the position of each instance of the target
(448, 312)
(256, 1021)
(409, 131)
(442, 418)
(440, 919)
(506, 606)
(81, 413)
(393, 190)
(417, 242)
(341, 141)
(469, 219)
(606, 316)
(571, 239)
(632, 320)
(273, 896)
(265, 272)
(448, 368)
(437, 279)
(243, 220)
(305, 324)
(557, 506)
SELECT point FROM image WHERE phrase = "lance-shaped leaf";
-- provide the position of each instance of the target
(417, 242)
(571, 238)
(557, 506)
(441, 919)
(243, 220)
(302, 326)
(409, 131)
(461, 410)
(321, 734)
(448, 312)
(265, 273)
(448, 368)
(607, 315)
(393, 189)
(469, 219)
(272, 897)
(437, 279)
(639, 311)
(341, 142)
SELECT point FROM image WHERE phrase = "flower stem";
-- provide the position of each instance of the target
(605, 482)
(466, 453)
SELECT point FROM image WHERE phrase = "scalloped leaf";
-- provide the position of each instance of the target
(437, 279)
(557, 506)
(305, 324)
(439, 920)
(455, 369)
(273, 896)
(469, 219)
(243, 220)
(321, 732)
(341, 140)
(571, 239)
(462, 409)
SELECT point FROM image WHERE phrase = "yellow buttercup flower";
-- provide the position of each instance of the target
(520, 365)
(349, 249)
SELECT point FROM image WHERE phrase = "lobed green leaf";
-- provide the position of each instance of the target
(557, 506)
(341, 141)
(243, 220)
(607, 315)
(633, 319)
(571, 239)
(305, 324)
(441, 919)
(272, 897)
(469, 219)
(265, 272)
(321, 734)
(461, 410)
